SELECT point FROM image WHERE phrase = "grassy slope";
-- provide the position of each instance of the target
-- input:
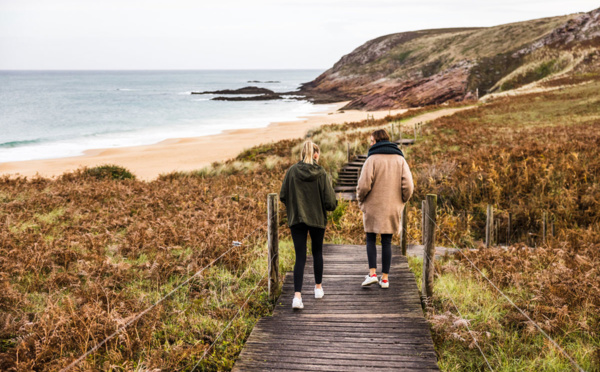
(79, 255)
(437, 52)
(524, 155)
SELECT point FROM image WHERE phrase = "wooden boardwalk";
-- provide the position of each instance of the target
(352, 328)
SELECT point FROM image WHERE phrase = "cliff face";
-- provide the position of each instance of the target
(434, 66)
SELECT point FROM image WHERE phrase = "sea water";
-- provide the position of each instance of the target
(52, 114)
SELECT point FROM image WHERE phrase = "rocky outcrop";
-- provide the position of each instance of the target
(449, 85)
(245, 90)
(262, 97)
(435, 66)
(582, 28)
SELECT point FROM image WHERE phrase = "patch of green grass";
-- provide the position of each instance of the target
(109, 171)
(507, 347)
(401, 56)
(541, 71)
(252, 153)
(16, 229)
(51, 217)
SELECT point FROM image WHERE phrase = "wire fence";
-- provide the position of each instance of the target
(460, 250)
(235, 244)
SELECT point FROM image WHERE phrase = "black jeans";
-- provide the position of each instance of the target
(299, 236)
(386, 251)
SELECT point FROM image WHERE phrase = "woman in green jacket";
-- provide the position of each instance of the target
(308, 195)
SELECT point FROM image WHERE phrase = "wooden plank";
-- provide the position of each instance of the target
(330, 334)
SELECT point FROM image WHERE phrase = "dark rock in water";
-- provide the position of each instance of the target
(245, 90)
(262, 97)
(264, 82)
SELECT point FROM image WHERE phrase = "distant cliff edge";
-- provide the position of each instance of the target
(426, 67)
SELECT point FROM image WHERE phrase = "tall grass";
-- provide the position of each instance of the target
(80, 255)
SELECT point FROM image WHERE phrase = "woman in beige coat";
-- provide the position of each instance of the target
(384, 186)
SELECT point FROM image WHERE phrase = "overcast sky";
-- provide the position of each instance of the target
(230, 34)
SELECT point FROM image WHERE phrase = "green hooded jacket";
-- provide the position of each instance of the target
(307, 194)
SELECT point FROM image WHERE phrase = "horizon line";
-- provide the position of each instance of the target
(160, 69)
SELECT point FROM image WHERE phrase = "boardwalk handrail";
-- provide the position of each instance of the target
(573, 362)
(235, 244)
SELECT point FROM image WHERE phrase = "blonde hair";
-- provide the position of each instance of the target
(308, 152)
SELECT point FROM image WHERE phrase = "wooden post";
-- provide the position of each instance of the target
(423, 226)
(496, 233)
(403, 235)
(508, 228)
(415, 132)
(273, 244)
(348, 151)
(429, 246)
(488, 225)
(392, 134)
(544, 225)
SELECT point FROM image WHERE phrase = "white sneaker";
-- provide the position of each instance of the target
(370, 280)
(319, 292)
(297, 303)
(384, 283)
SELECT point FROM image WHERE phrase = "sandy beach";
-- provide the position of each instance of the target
(186, 154)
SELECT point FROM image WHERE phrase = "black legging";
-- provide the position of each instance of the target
(386, 251)
(299, 236)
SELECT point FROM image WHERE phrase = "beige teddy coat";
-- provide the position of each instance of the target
(384, 186)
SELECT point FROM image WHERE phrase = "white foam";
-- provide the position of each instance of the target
(245, 117)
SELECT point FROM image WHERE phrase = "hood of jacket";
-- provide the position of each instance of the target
(385, 147)
(308, 172)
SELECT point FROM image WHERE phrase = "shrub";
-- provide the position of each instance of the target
(109, 171)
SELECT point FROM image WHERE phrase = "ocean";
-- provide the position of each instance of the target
(53, 114)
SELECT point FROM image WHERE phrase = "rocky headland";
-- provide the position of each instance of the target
(427, 67)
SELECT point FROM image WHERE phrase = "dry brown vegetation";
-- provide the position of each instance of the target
(81, 255)
(524, 155)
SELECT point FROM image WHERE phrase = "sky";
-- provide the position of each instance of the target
(230, 34)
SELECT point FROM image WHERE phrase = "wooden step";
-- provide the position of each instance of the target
(345, 188)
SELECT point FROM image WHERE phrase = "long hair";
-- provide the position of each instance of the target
(308, 152)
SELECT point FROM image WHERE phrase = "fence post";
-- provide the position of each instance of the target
(423, 226)
(429, 246)
(488, 225)
(508, 233)
(415, 128)
(273, 244)
(348, 151)
(392, 132)
(544, 225)
(496, 237)
(403, 238)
